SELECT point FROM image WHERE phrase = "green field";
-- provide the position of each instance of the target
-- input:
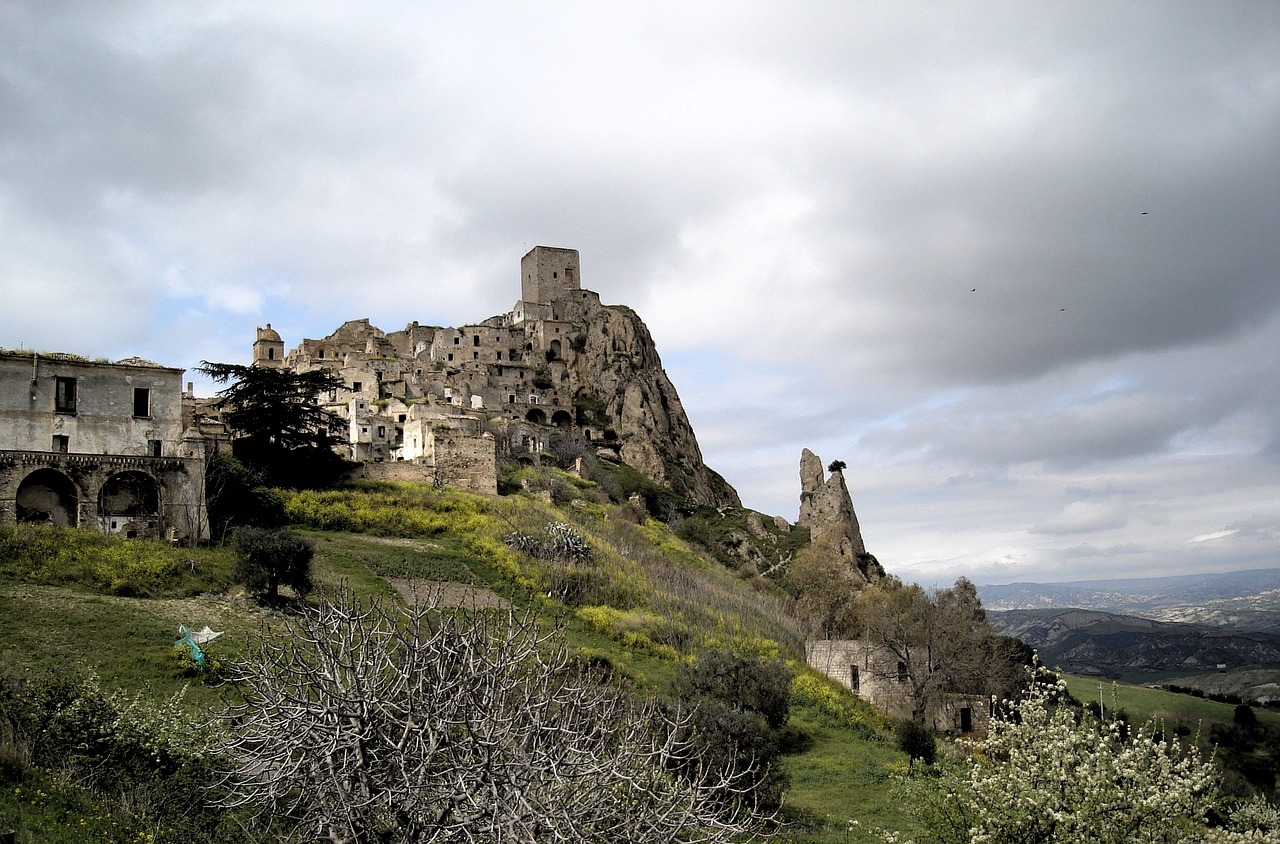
(1142, 704)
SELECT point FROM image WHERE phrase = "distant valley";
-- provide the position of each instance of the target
(1244, 600)
(1218, 633)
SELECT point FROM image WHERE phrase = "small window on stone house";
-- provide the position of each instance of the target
(400, 418)
(568, 273)
(357, 386)
(475, 356)
(155, 448)
(141, 402)
(553, 275)
(382, 430)
(902, 672)
(854, 680)
(320, 354)
(61, 443)
(499, 357)
(451, 356)
(457, 340)
(475, 340)
(511, 399)
(65, 395)
(271, 354)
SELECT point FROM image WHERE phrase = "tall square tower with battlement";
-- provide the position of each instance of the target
(548, 274)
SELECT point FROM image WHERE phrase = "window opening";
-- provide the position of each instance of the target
(155, 448)
(902, 672)
(61, 443)
(357, 386)
(65, 395)
(141, 402)
(854, 680)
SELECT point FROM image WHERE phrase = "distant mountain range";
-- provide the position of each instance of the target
(1241, 600)
(1091, 642)
(1226, 625)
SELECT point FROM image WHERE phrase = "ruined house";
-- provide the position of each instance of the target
(882, 680)
(87, 443)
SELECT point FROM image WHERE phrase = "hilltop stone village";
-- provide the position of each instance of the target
(558, 374)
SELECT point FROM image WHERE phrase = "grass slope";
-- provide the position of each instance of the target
(643, 603)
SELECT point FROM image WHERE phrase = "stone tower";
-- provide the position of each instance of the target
(268, 349)
(549, 274)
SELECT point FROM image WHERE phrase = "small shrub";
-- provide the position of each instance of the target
(917, 741)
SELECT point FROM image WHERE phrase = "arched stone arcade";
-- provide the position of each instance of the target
(132, 496)
(129, 504)
(47, 496)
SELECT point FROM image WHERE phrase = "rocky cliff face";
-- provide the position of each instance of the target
(618, 371)
(827, 511)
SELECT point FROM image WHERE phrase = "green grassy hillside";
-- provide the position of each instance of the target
(644, 603)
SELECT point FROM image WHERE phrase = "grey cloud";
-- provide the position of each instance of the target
(799, 200)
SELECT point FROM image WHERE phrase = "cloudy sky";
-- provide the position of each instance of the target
(1016, 264)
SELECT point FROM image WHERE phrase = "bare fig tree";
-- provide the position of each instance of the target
(378, 723)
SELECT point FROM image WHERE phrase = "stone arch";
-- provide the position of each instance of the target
(130, 504)
(554, 352)
(562, 419)
(50, 497)
(536, 416)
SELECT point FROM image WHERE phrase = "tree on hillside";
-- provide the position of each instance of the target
(826, 589)
(282, 431)
(939, 642)
(268, 559)
(740, 703)
(429, 723)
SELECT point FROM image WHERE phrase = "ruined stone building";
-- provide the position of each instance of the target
(882, 680)
(97, 444)
(559, 374)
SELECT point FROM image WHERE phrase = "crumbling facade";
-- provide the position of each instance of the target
(882, 680)
(98, 444)
(559, 373)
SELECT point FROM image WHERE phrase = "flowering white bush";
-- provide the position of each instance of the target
(1046, 773)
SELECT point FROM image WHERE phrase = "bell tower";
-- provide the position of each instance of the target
(268, 349)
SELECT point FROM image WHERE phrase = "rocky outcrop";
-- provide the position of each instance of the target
(618, 371)
(827, 511)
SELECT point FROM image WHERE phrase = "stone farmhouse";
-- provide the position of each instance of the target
(87, 443)
(445, 404)
(882, 680)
